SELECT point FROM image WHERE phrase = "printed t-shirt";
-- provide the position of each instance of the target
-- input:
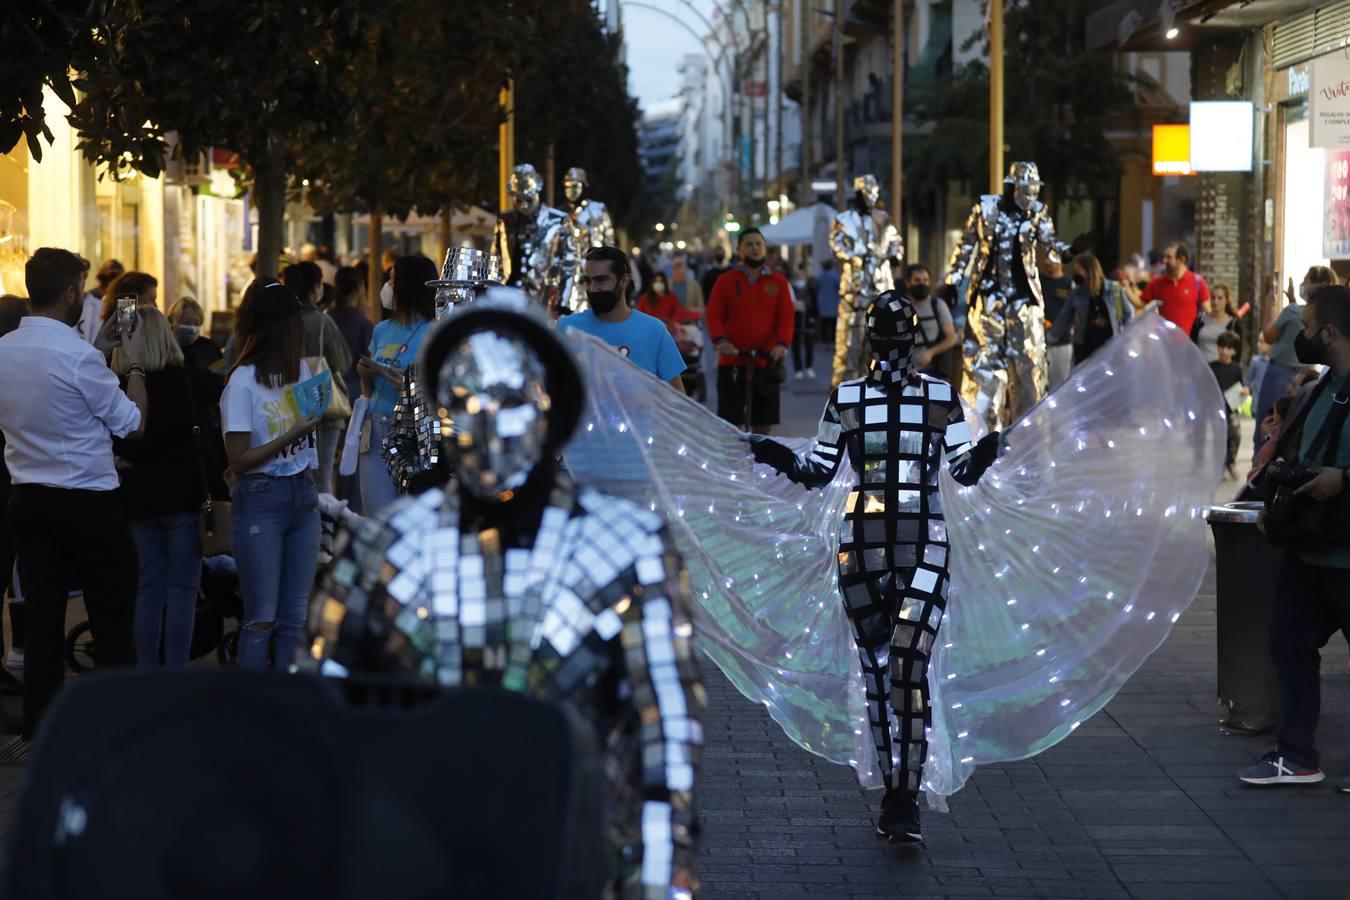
(266, 413)
(395, 345)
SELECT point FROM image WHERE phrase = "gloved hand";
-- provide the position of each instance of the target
(771, 453)
(985, 451)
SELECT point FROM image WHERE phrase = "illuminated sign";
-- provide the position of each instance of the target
(1222, 136)
(1172, 150)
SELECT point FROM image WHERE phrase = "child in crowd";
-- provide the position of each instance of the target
(1228, 372)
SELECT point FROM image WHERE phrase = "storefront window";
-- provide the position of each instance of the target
(1303, 198)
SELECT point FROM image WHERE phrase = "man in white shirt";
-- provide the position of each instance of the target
(60, 409)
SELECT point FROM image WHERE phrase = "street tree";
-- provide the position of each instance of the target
(1060, 100)
(252, 78)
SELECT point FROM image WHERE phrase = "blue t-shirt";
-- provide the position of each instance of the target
(395, 345)
(640, 337)
(827, 293)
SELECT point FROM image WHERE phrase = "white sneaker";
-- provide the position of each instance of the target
(14, 661)
(810, 372)
(798, 375)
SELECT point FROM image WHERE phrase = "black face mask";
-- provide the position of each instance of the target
(753, 263)
(919, 291)
(1079, 279)
(602, 301)
(1310, 351)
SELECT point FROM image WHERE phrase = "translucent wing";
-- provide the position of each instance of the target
(759, 549)
(1074, 555)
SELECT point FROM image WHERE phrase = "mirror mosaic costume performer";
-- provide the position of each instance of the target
(1006, 369)
(591, 227)
(895, 427)
(513, 576)
(412, 445)
(1040, 628)
(863, 239)
(533, 241)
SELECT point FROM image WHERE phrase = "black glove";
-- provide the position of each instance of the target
(768, 451)
(948, 293)
(985, 451)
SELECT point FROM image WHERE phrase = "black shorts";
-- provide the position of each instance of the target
(731, 397)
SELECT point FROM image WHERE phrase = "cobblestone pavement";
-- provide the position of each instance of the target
(1142, 801)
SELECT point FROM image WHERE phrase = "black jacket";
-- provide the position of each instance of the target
(162, 470)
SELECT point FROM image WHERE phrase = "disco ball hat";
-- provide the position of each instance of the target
(891, 330)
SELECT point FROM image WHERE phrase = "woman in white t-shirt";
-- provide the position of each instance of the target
(274, 526)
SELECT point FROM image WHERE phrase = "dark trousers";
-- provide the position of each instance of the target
(59, 533)
(1312, 603)
(803, 343)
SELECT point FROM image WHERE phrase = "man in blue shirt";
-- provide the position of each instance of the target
(642, 338)
(827, 298)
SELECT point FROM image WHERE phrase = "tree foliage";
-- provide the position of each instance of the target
(1059, 101)
(39, 38)
(572, 94)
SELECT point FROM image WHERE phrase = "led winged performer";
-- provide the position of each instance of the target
(895, 427)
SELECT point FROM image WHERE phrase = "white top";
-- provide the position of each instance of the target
(90, 323)
(60, 408)
(266, 413)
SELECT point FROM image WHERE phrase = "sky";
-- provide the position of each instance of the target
(655, 45)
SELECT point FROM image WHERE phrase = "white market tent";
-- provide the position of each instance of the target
(808, 225)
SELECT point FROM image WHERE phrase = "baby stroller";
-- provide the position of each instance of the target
(688, 333)
(217, 600)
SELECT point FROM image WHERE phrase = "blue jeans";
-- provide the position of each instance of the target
(377, 487)
(170, 554)
(274, 528)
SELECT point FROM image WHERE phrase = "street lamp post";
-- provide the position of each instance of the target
(995, 96)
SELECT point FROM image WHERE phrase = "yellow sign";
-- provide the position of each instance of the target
(1172, 150)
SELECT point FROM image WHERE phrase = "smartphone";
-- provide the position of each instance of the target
(126, 314)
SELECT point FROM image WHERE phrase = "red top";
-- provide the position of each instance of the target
(1180, 299)
(754, 316)
(665, 307)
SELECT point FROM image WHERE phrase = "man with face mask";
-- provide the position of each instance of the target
(935, 334)
(60, 410)
(644, 340)
(863, 239)
(591, 227)
(750, 322)
(534, 241)
(1312, 599)
(994, 266)
(895, 426)
(514, 578)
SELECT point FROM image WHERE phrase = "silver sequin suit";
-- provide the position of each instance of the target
(862, 241)
(1005, 371)
(895, 427)
(536, 250)
(591, 227)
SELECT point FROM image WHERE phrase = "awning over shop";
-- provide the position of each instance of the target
(802, 226)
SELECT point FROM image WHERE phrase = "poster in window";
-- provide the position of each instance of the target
(1336, 230)
(1329, 101)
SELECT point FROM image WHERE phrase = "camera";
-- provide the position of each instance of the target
(1283, 476)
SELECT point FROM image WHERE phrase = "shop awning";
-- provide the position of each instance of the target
(801, 226)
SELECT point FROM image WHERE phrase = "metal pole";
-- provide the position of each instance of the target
(995, 96)
(804, 64)
(506, 144)
(840, 169)
(897, 111)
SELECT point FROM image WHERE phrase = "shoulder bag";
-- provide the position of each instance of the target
(213, 518)
(340, 409)
(1297, 520)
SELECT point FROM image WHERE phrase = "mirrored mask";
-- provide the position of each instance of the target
(1025, 195)
(524, 186)
(868, 188)
(493, 394)
(891, 331)
(573, 190)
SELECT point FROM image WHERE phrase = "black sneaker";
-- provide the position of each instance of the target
(1276, 769)
(899, 820)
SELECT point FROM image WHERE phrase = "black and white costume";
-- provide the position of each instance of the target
(896, 426)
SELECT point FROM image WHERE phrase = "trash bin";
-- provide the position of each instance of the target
(1248, 567)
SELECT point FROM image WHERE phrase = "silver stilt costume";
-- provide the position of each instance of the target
(591, 227)
(863, 239)
(533, 241)
(1005, 371)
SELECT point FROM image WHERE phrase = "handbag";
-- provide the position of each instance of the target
(213, 517)
(340, 409)
(1297, 520)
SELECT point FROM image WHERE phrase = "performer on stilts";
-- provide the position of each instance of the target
(896, 427)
